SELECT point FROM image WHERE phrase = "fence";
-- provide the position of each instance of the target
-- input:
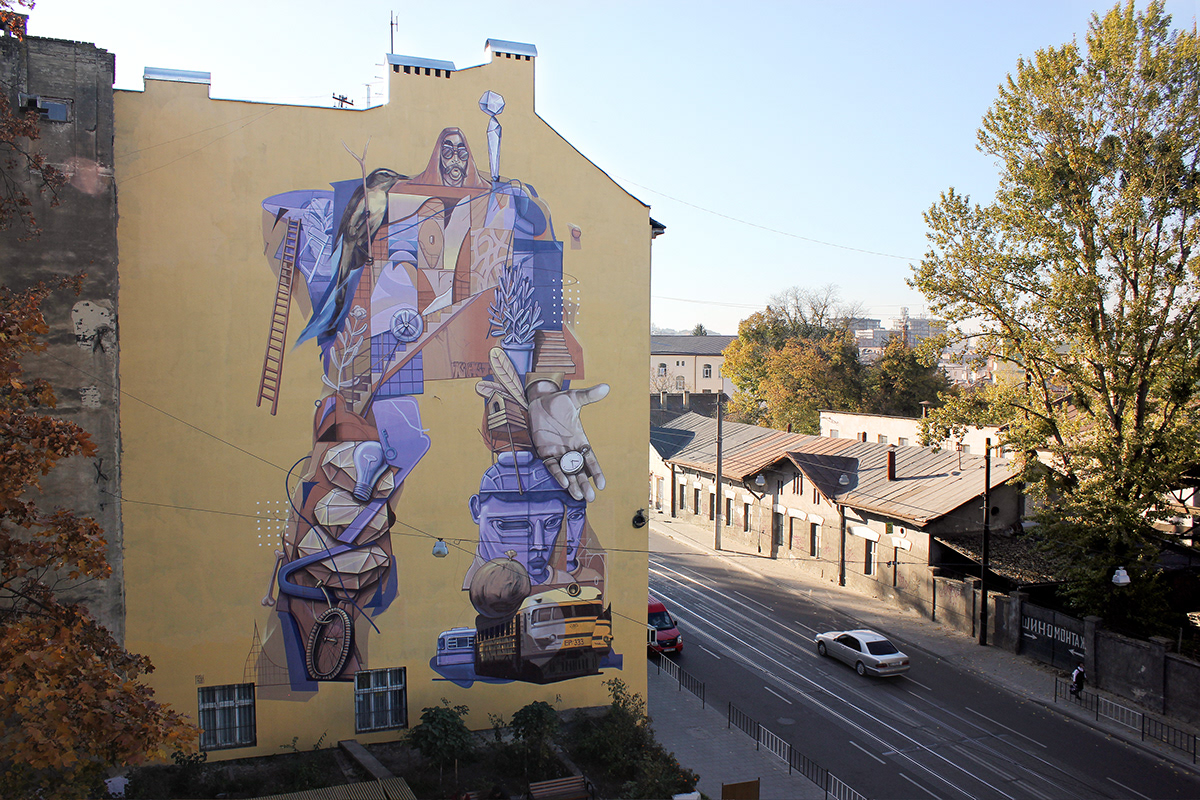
(685, 679)
(1149, 727)
(796, 761)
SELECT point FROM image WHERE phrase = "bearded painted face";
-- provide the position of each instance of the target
(454, 160)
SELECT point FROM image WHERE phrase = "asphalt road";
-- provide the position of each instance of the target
(937, 732)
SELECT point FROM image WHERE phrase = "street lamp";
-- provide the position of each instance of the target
(1121, 577)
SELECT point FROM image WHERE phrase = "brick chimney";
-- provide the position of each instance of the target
(891, 462)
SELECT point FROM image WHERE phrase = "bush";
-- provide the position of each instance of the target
(620, 750)
(442, 737)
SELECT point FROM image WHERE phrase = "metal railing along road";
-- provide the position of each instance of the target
(685, 679)
(796, 761)
(1149, 727)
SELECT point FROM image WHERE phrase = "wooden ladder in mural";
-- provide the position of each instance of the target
(272, 371)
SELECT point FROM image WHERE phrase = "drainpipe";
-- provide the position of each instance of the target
(983, 561)
(674, 482)
(720, 493)
(842, 547)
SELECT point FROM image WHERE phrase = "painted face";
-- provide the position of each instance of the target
(530, 528)
(454, 159)
(576, 517)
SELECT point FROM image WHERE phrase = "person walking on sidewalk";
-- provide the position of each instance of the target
(1078, 678)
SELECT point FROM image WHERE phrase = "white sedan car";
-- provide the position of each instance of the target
(868, 652)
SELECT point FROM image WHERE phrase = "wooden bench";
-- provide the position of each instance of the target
(575, 787)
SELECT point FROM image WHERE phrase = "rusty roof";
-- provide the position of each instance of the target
(928, 483)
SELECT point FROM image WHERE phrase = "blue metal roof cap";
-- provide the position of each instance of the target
(414, 61)
(177, 75)
(516, 48)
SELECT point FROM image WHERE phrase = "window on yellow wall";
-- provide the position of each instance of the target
(380, 699)
(708, 370)
(227, 716)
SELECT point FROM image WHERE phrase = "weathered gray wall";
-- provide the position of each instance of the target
(77, 236)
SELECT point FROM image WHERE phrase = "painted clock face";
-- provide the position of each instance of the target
(407, 325)
(571, 462)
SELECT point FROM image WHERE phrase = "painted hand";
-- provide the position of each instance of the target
(559, 438)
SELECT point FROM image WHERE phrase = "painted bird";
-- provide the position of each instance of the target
(360, 222)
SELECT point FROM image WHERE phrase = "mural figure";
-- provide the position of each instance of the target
(447, 275)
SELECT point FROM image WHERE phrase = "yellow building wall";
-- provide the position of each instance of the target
(206, 482)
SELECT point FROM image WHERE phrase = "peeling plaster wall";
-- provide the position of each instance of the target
(79, 235)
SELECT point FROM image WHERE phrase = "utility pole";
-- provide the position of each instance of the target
(987, 518)
(720, 495)
(392, 25)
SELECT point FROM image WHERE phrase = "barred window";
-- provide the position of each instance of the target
(380, 700)
(227, 716)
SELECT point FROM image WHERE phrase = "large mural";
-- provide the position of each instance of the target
(452, 274)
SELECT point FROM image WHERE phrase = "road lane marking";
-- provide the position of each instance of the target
(762, 667)
(1126, 788)
(777, 694)
(919, 786)
(752, 600)
(1010, 730)
(865, 750)
(710, 652)
(918, 683)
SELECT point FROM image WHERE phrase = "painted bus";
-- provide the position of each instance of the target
(555, 635)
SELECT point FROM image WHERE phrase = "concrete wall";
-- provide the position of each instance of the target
(79, 235)
(217, 481)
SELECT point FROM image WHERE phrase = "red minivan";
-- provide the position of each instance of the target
(666, 638)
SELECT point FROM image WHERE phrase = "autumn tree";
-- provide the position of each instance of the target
(1084, 273)
(22, 167)
(794, 315)
(70, 699)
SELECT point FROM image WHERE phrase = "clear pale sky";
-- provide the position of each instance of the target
(777, 141)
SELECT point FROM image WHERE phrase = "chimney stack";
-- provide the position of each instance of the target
(891, 462)
(685, 399)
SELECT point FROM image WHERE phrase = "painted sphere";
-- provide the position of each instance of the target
(499, 587)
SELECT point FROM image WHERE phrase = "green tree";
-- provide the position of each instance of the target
(442, 736)
(699, 330)
(1084, 272)
(901, 378)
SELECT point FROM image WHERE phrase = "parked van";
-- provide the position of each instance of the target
(666, 637)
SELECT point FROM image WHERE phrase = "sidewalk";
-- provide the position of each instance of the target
(701, 741)
(1016, 674)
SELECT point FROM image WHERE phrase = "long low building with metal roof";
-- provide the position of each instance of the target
(858, 513)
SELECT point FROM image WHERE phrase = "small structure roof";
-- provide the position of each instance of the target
(928, 484)
(666, 345)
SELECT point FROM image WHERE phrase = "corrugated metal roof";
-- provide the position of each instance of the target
(387, 789)
(669, 441)
(665, 345)
(928, 483)
(747, 449)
